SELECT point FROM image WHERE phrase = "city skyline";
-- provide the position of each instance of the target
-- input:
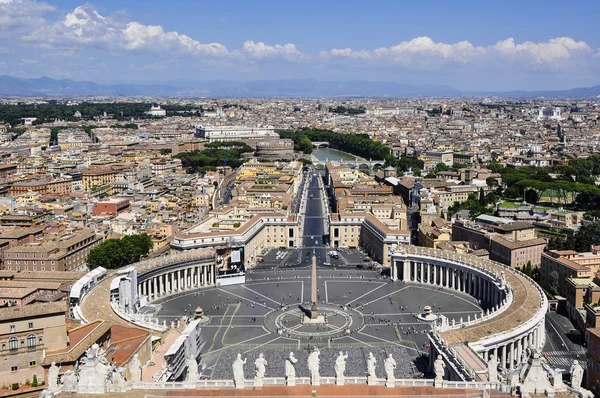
(470, 46)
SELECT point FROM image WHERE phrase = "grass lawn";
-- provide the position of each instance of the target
(510, 205)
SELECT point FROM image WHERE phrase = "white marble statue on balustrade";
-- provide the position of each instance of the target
(135, 369)
(313, 366)
(371, 364)
(389, 364)
(192, 369)
(557, 380)
(69, 382)
(576, 372)
(439, 369)
(492, 369)
(260, 367)
(290, 370)
(53, 372)
(340, 368)
(238, 371)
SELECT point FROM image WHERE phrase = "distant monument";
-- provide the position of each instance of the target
(314, 317)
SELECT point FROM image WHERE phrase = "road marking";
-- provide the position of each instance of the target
(558, 334)
(326, 295)
(302, 292)
(247, 299)
(255, 292)
(387, 295)
(236, 344)
(369, 292)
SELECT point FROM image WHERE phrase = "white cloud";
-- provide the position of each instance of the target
(20, 16)
(260, 50)
(423, 50)
(85, 26)
(560, 48)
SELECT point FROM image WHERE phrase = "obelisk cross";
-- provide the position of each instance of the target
(313, 294)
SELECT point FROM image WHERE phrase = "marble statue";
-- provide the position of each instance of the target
(576, 375)
(389, 365)
(260, 366)
(290, 369)
(135, 369)
(69, 381)
(492, 369)
(313, 366)
(238, 371)
(371, 363)
(192, 369)
(53, 377)
(340, 368)
(439, 368)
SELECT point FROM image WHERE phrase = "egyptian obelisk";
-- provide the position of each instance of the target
(313, 293)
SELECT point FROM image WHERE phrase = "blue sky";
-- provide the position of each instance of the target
(471, 45)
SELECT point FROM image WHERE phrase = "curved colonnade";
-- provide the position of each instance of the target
(188, 270)
(515, 308)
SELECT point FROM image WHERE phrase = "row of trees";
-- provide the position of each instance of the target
(533, 183)
(356, 144)
(347, 110)
(49, 112)
(212, 156)
(116, 253)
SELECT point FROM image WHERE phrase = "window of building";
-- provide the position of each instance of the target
(30, 325)
(12, 328)
(31, 340)
(31, 363)
(13, 344)
(40, 341)
(14, 368)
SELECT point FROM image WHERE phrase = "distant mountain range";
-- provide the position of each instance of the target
(48, 87)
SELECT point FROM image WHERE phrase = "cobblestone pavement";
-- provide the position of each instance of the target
(389, 310)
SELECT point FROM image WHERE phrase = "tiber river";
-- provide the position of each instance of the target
(322, 155)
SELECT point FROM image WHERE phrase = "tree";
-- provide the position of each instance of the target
(587, 236)
(117, 253)
(165, 151)
(34, 383)
(441, 167)
(553, 282)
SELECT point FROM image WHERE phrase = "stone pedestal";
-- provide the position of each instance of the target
(91, 379)
(371, 381)
(318, 320)
(391, 383)
(290, 381)
(340, 381)
(258, 382)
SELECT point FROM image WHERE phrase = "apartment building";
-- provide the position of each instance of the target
(57, 186)
(97, 177)
(569, 264)
(68, 253)
(112, 206)
(509, 242)
(25, 336)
